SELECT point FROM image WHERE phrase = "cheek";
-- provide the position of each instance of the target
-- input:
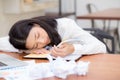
(45, 36)
(29, 44)
(40, 46)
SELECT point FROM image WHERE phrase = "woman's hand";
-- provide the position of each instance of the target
(38, 51)
(63, 50)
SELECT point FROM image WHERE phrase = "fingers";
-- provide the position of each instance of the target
(56, 51)
(44, 51)
(63, 50)
(37, 52)
(40, 51)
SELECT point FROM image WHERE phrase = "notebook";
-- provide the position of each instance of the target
(32, 55)
(7, 61)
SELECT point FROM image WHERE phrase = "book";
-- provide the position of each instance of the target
(33, 55)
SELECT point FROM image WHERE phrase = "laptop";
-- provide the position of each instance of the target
(7, 61)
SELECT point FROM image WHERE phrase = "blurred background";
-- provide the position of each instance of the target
(14, 10)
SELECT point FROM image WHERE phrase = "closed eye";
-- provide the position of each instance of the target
(35, 38)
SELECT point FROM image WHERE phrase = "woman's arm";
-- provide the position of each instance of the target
(6, 46)
(85, 43)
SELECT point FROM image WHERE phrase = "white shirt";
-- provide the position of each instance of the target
(84, 43)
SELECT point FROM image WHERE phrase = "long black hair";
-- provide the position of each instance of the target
(20, 31)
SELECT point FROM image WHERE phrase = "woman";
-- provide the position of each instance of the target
(38, 34)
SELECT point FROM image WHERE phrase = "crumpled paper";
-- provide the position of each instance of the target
(61, 68)
(41, 70)
(58, 67)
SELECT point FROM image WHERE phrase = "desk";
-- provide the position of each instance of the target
(110, 14)
(102, 67)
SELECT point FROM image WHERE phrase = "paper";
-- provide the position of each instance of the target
(17, 73)
(58, 67)
(61, 68)
(41, 70)
(82, 68)
(32, 55)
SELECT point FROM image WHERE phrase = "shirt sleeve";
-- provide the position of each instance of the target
(6, 46)
(87, 43)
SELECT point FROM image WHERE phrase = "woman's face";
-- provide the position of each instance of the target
(37, 38)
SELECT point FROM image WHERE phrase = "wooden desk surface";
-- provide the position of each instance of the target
(102, 67)
(113, 14)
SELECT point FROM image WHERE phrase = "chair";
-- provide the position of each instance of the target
(93, 8)
(101, 35)
(117, 32)
(119, 36)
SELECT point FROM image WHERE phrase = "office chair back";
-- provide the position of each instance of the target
(93, 8)
(101, 35)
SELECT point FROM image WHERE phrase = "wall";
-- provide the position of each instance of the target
(7, 20)
(101, 5)
(81, 8)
